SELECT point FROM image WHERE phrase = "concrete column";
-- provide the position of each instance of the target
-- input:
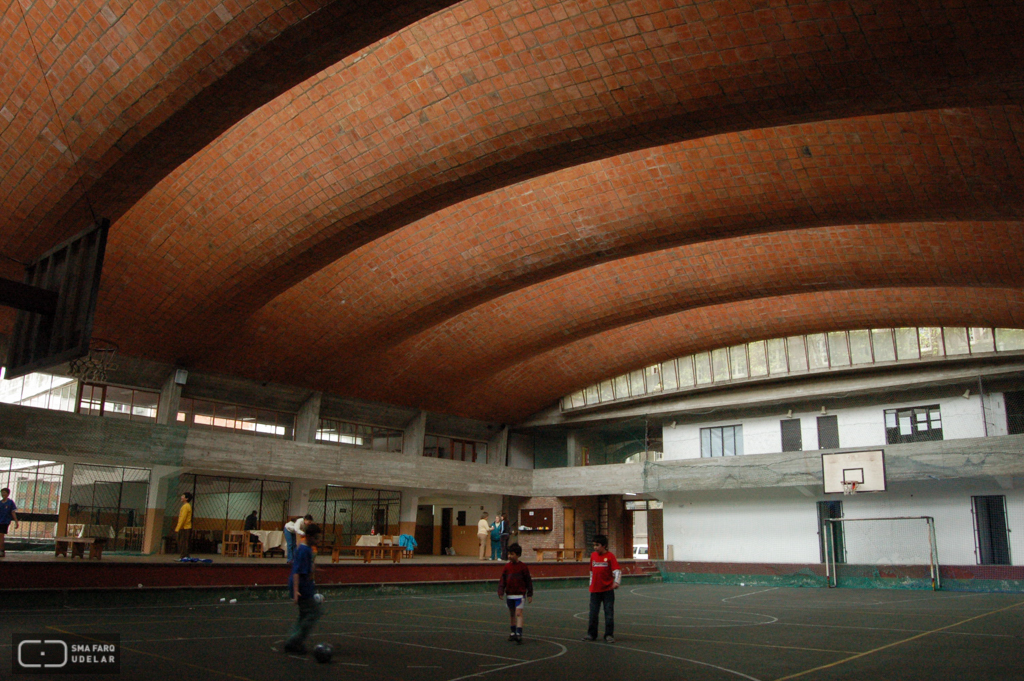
(160, 480)
(407, 512)
(308, 419)
(497, 449)
(65, 499)
(298, 500)
(415, 431)
(575, 446)
(170, 400)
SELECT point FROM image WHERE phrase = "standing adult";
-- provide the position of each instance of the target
(184, 526)
(506, 534)
(483, 530)
(7, 516)
(295, 528)
(605, 577)
(302, 586)
(496, 538)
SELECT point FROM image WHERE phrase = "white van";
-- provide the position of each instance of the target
(640, 552)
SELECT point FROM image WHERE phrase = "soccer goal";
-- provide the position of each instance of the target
(901, 549)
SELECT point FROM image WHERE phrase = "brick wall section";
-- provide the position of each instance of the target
(586, 508)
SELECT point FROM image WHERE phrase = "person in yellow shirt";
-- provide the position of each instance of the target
(184, 526)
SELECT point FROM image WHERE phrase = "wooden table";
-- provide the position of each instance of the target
(560, 554)
(77, 546)
(368, 553)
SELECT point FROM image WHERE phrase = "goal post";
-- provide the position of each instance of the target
(898, 548)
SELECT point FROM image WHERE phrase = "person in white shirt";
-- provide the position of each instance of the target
(295, 528)
(483, 531)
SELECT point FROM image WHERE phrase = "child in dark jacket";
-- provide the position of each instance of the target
(516, 586)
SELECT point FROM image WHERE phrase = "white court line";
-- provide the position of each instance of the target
(618, 646)
(771, 619)
(774, 588)
(906, 631)
(518, 664)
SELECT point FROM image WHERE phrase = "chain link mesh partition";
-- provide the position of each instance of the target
(109, 502)
(348, 512)
(35, 487)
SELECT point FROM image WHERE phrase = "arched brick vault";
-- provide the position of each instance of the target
(479, 97)
(140, 86)
(495, 150)
(950, 164)
(548, 377)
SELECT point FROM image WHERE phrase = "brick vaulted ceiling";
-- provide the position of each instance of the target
(477, 207)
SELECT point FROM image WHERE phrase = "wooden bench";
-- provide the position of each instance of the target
(560, 554)
(77, 546)
(368, 553)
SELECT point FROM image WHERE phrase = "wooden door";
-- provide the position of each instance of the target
(569, 528)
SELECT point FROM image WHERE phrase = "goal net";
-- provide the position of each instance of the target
(876, 551)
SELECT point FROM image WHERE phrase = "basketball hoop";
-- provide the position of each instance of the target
(849, 487)
(93, 366)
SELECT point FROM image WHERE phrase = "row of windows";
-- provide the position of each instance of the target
(799, 354)
(910, 424)
(441, 447)
(358, 435)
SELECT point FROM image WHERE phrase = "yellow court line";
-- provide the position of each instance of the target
(159, 657)
(634, 634)
(897, 643)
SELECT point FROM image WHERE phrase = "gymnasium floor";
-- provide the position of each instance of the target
(663, 631)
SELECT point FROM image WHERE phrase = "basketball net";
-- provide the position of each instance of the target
(849, 488)
(93, 366)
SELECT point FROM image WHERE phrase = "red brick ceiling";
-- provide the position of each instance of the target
(477, 207)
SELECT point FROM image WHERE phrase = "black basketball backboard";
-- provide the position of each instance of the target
(42, 338)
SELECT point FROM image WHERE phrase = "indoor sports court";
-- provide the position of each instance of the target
(662, 631)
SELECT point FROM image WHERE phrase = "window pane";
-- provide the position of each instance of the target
(669, 379)
(738, 359)
(720, 364)
(1009, 339)
(930, 338)
(117, 402)
(636, 383)
(686, 377)
(592, 395)
(578, 399)
(202, 412)
(758, 361)
(652, 374)
(144, 406)
(621, 387)
(881, 341)
(797, 353)
(838, 351)
(607, 392)
(702, 363)
(817, 351)
(705, 442)
(728, 442)
(224, 415)
(777, 363)
(981, 340)
(716, 442)
(567, 402)
(956, 340)
(860, 346)
(738, 434)
(906, 343)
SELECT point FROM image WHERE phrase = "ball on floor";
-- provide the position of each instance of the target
(323, 652)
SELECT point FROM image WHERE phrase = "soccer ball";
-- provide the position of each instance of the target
(319, 598)
(323, 653)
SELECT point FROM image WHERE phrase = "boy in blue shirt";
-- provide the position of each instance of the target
(7, 515)
(303, 591)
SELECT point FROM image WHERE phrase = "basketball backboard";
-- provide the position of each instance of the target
(866, 469)
(44, 337)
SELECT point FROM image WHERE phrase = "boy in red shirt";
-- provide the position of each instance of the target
(605, 577)
(516, 586)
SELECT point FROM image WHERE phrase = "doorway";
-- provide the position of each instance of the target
(828, 510)
(425, 529)
(991, 530)
(569, 528)
(446, 529)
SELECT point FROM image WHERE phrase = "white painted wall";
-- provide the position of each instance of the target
(780, 525)
(862, 426)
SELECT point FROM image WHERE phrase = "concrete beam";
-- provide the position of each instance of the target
(308, 419)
